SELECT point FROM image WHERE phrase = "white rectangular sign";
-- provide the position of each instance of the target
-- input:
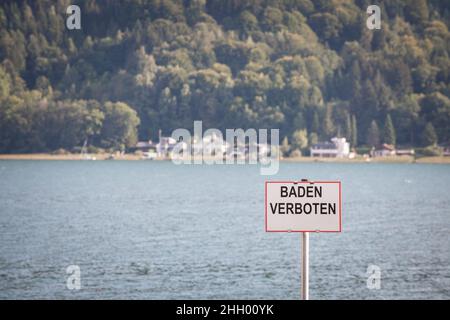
(303, 206)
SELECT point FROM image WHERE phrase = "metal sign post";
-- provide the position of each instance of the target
(303, 206)
(305, 262)
(305, 266)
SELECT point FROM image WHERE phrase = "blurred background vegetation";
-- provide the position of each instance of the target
(310, 68)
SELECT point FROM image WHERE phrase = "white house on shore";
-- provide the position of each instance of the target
(385, 150)
(337, 148)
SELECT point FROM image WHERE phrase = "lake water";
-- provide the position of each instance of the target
(154, 230)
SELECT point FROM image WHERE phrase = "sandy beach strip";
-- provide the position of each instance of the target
(134, 157)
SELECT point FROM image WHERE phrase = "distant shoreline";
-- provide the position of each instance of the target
(135, 157)
(388, 159)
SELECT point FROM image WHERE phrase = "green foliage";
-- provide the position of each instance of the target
(299, 139)
(328, 124)
(373, 135)
(296, 153)
(429, 137)
(5, 84)
(417, 11)
(354, 135)
(119, 126)
(389, 131)
(436, 110)
(430, 151)
(313, 138)
(363, 150)
(348, 127)
(285, 148)
(292, 65)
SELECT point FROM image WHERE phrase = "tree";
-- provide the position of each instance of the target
(389, 136)
(436, 109)
(354, 136)
(429, 137)
(315, 124)
(248, 22)
(5, 84)
(313, 138)
(327, 26)
(348, 127)
(417, 11)
(71, 47)
(328, 124)
(285, 146)
(67, 124)
(272, 18)
(120, 126)
(373, 135)
(300, 139)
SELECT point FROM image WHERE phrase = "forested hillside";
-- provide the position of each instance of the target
(310, 68)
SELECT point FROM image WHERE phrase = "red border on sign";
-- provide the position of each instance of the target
(306, 182)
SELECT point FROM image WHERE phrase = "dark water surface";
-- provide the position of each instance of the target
(154, 230)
